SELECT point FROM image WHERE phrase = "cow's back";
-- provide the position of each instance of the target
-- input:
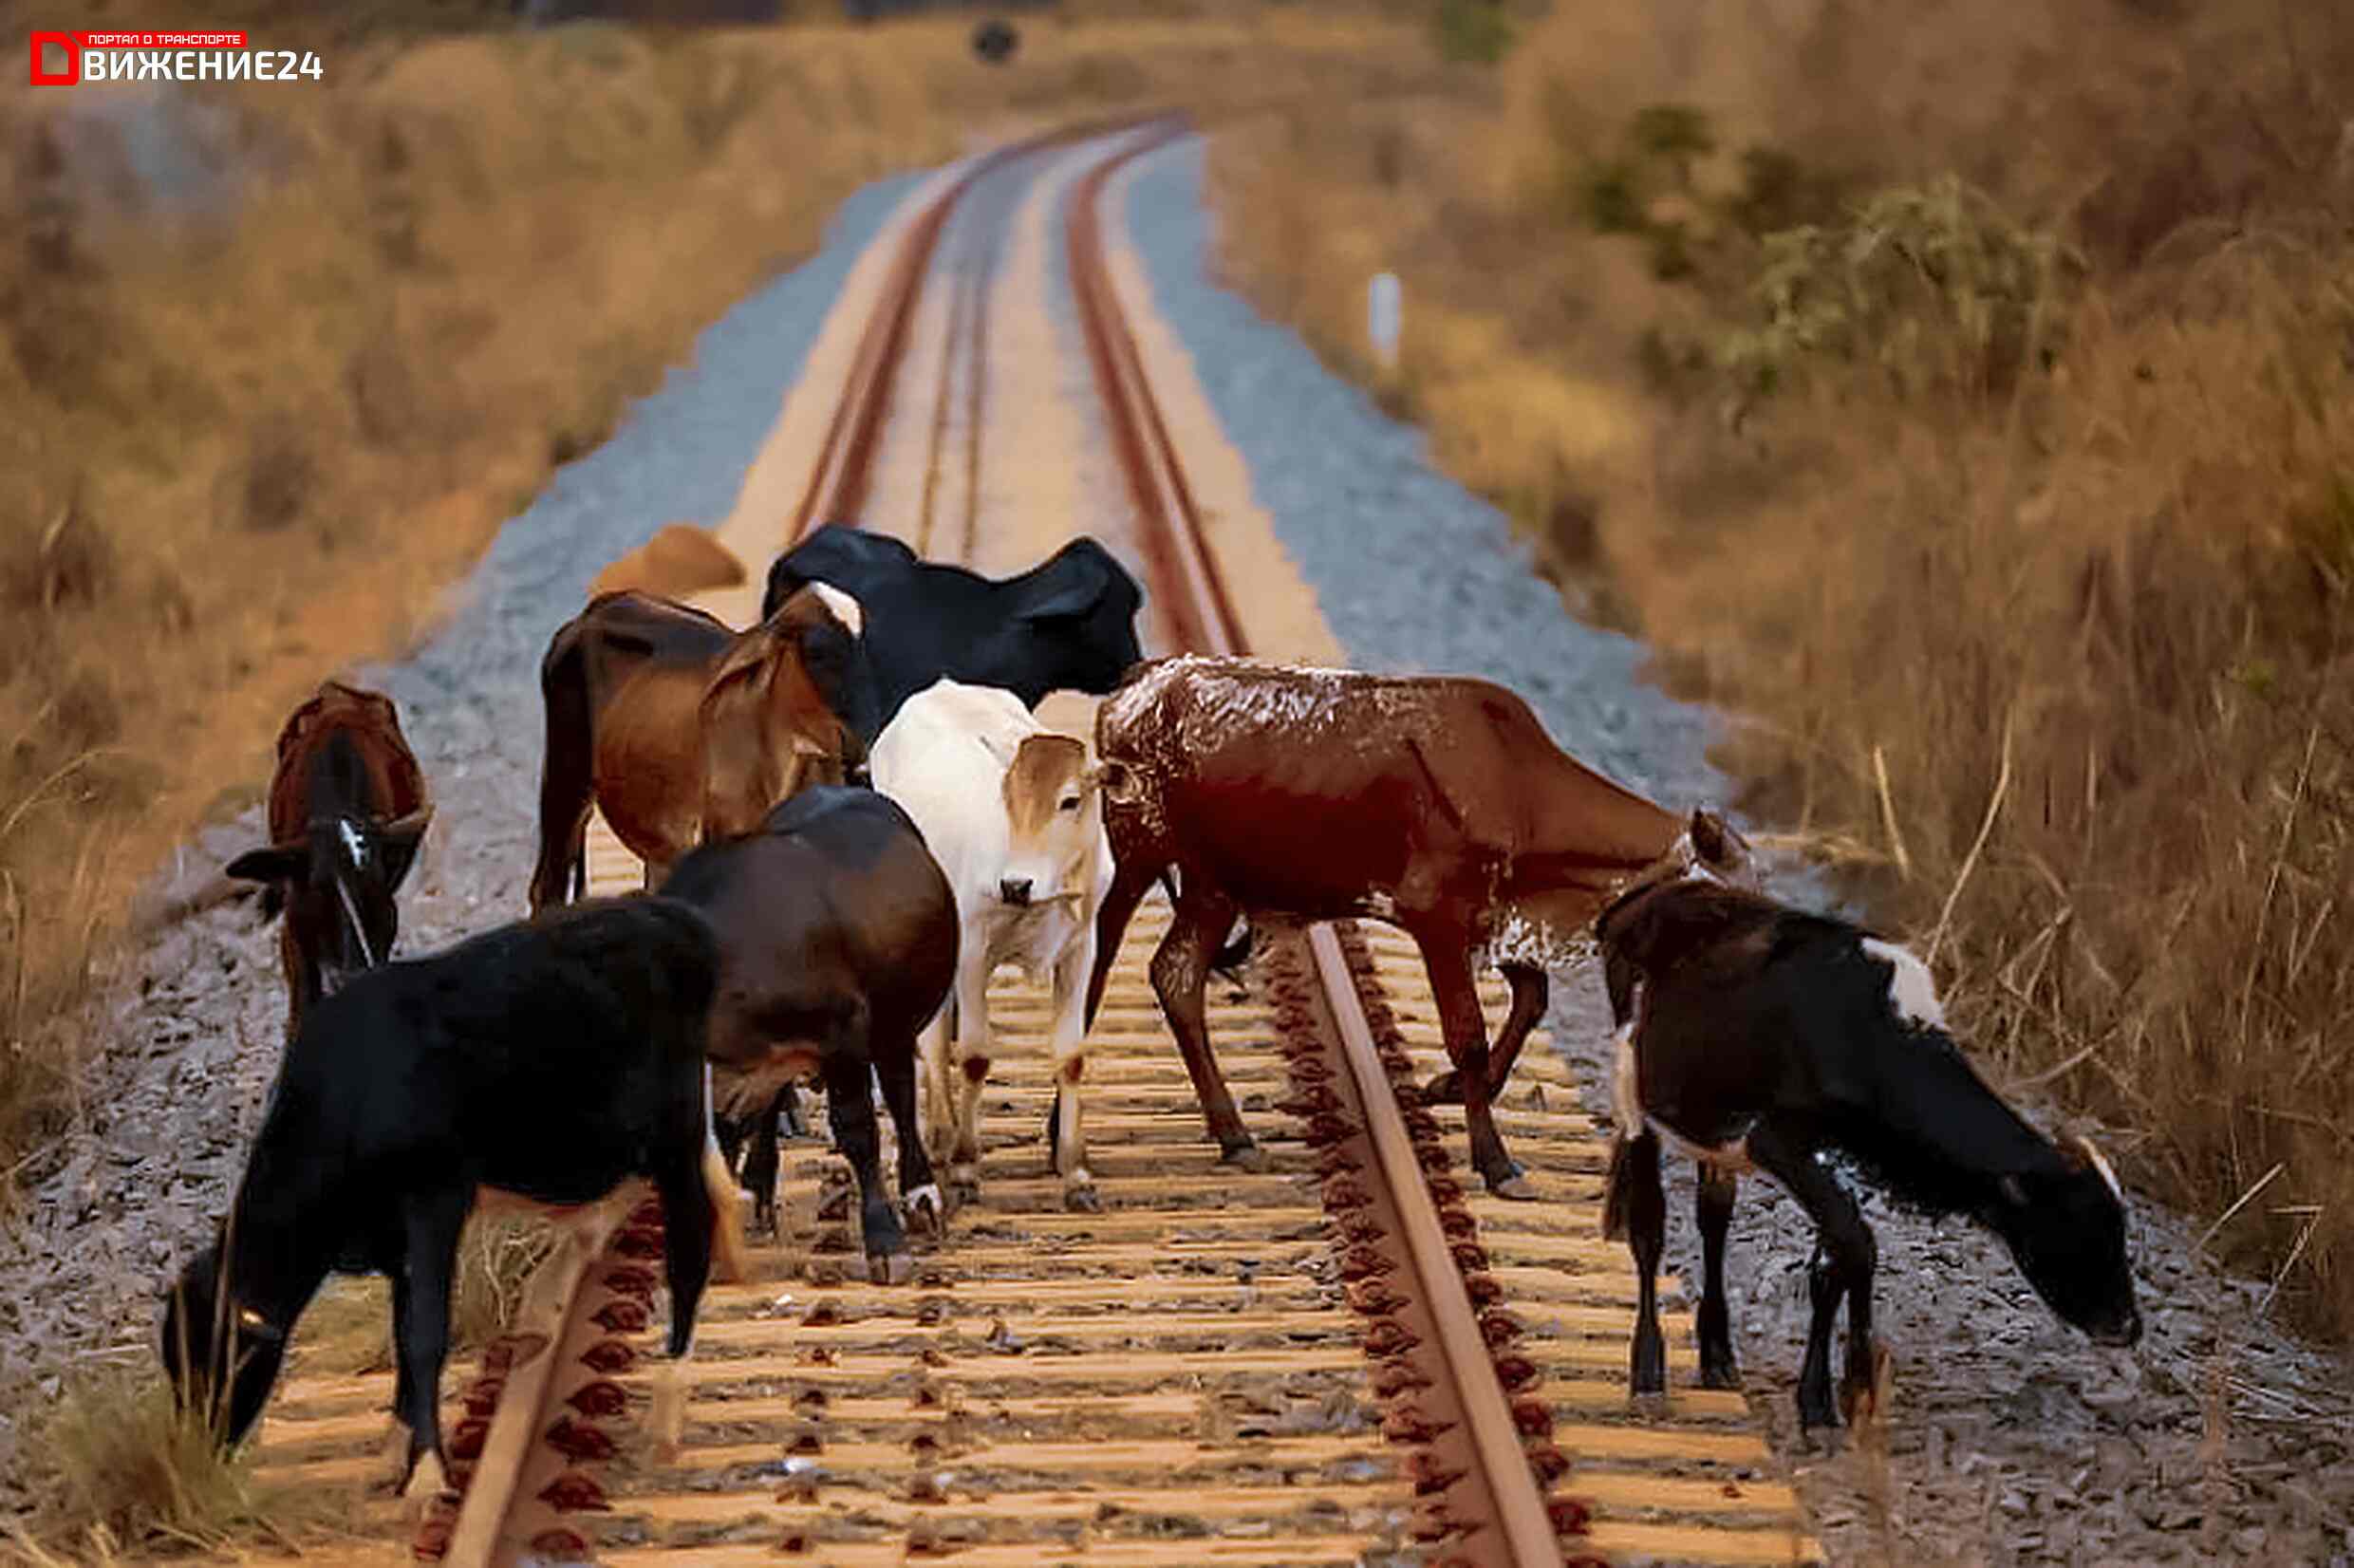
(369, 725)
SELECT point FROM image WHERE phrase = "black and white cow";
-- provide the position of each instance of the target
(1757, 1037)
(1067, 624)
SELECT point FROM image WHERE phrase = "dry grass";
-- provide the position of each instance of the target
(274, 363)
(1967, 396)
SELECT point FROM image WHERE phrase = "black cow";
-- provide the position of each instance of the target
(1756, 1036)
(544, 1063)
(838, 941)
(1067, 624)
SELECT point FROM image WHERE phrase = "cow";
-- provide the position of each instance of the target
(1436, 803)
(347, 809)
(540, 1065)
(681, 729)
(1012, 812)
(677, 563)
(838, 944)
(1069, 623)
(994, 41)
(1757, 1037)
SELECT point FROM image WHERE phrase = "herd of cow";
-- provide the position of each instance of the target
(850, 815)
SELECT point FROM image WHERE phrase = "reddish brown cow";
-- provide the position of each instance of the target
(347, 807)
(682, 729)
(1435, 803)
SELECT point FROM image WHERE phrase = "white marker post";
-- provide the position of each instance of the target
(1385, 317)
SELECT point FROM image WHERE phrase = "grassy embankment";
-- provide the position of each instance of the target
(1969, 399)
(278, 361)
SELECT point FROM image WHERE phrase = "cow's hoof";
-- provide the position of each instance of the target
(1516, 1187)
(1446, 1089)
(1719, 1375)
(892, 1268)
(965, 1182)
(1245, 1156)
(1080, 1197)
(926, 1210)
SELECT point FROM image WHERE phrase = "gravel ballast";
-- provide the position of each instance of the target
(2013, 1439)
(196, 1021)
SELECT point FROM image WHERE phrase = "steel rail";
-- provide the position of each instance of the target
(1524, 1525)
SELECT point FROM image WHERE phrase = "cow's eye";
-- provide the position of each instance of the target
(1069, 803)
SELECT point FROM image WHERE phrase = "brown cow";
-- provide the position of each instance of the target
(681, 729)
(1436, 803)
(678, 561)
(347, 807)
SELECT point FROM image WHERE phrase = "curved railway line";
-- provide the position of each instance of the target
(1349, 1355)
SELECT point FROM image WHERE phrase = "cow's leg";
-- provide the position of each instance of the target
(932, 1046)
(1180, 974)
(1714, 1204)
(1066, 1137)
(690, 1189)
(791, 1122)
(1635, 1181)
(568, 771)
(968, 1073)
(1130, 883)
(1446, 955)
(763, 1163)
(431, 1225)
(1531, 989)
(850, 1105)
(919, 1189)
(1841, 1268)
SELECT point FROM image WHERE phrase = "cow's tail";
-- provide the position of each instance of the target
(1617, 1190)
(566, 780)
(1627, 1118)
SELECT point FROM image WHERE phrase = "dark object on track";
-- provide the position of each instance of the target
(996, 41)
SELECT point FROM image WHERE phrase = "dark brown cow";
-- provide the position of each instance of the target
(347, 807)
(1435, 803)
(681, 729)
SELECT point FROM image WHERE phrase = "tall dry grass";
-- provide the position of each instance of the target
(275, 361)
(1968, 396)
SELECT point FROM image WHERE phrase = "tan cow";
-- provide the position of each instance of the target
(678, 562)
(682, 730)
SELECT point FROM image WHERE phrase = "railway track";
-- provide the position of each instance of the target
(1349, 1355)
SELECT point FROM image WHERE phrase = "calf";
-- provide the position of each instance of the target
(347, 809)
(1755, 1035)
(1435, 803)
(1012, 812)
(839, 943)
(1068, 623)
(543, 1064)
(679, 728)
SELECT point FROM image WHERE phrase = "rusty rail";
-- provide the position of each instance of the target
(1497, 1506)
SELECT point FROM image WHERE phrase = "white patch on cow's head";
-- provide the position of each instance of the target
(1911, 990)
(846, 608)
(354, 842)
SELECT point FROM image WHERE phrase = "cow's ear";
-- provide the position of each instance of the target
(1709, 838)
(735, 731)
(1071, 585)
(273, 863)
(399, 839)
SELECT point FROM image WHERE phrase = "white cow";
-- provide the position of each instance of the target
(1011, 812)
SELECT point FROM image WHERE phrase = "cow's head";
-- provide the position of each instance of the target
(1053, 814)
(2066, 1230)
(1078, 610)
(338, 884)
(221, 1356)
(791, 704)
(851, 558)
